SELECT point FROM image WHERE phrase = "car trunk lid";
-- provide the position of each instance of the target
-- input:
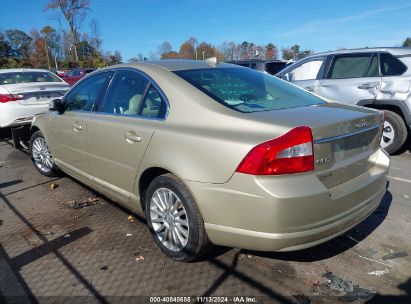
(346, 138)
(37, 93)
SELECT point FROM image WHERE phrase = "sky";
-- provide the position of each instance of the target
(140, 26)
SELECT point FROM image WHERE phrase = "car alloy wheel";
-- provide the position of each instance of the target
(169, 219)
(388, 134)
(41, 155)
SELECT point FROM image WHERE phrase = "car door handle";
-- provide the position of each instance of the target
(77, 127)
(132, 137)
(367, 86)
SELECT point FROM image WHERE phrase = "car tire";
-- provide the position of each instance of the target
(394, 133)
(180, 217)
(41, 156)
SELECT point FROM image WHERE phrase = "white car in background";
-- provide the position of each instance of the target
(378, 78)
(25, 93)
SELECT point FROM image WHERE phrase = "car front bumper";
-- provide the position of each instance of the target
(290, 212)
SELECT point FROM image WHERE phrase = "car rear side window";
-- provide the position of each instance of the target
(86, 93)
(153, 105)
(247, 90)
(125, 94)
(391, 66)
(27, 77)
(349, 66)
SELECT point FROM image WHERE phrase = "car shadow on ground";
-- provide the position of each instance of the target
(338, 245)
(5, 133)
(405, 148)
(15, 264)
(390, 299)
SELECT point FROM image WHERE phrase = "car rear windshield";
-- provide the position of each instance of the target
(246, 90)
(74, 73)
(274, 67)
(25, 77)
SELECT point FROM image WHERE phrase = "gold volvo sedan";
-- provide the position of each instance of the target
(214, 153)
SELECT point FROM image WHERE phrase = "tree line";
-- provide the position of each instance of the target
(63, 47)
(228, 50)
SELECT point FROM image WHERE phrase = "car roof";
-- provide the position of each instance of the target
(396, 51)
(256, 60)
(22, 70)
(176, 64)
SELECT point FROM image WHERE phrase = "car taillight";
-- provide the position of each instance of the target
(9, 97)
(287, 154)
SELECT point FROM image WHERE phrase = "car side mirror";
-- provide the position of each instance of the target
(57, 105)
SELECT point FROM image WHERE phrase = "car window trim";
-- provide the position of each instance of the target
(327, 66)
(348, 55)
(367, 69)
(143, 99)
(150, 81)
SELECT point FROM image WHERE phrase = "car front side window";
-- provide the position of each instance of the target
(306, 71)
(86, 94)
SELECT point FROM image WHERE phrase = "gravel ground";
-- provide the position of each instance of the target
(53, 249)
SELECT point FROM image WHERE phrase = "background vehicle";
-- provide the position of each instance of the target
(271, 67)
(216, 153)
(76, 74)
(378, 78)
(62, 73)
(25, 93)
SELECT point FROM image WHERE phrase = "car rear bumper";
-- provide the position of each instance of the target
(285, 213)
(13, 114)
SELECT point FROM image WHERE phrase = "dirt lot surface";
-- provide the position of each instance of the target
(66, 243)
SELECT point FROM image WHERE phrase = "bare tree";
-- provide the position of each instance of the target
(164, 48)
(224, 48)
(74, 11)
(235, 50)
(96, 40)
(152, 56)
(138, 58)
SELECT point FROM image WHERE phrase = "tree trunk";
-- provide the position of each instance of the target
(73, 34)
(47, 53)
